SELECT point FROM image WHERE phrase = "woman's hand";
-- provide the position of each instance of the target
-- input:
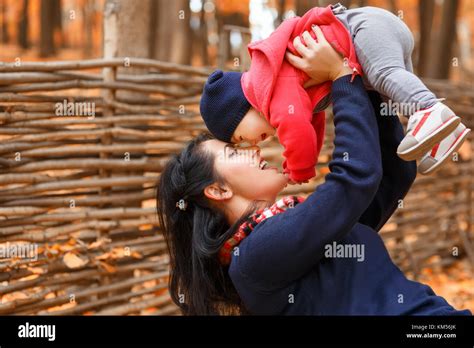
(291, 182)
(319, 60)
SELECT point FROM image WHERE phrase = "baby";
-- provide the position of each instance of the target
(271, 98)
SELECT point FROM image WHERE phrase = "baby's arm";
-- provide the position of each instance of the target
(291, 115)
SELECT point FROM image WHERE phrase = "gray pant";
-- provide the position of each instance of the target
(384, 44)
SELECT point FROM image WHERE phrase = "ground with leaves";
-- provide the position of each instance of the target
(455, 283)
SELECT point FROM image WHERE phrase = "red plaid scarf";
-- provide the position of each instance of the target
(225, 253)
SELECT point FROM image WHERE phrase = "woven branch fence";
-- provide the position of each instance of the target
(82, 145)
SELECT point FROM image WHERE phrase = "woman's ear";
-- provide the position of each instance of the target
(218, 192)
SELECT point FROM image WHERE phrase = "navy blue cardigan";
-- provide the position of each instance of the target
(282, 267)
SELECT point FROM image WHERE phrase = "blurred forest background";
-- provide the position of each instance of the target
(102, 253)
(208, 32)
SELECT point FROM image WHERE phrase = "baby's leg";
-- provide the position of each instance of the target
(384, 45)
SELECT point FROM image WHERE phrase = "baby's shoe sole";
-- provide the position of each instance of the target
(417, 151)
(457, 144)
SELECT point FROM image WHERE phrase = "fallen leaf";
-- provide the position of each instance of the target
(108, 268)
(99, 242)
(30, 277)
(71, 241)
(56, 247)
(118, 253)
(136, 255)
(61, 307)
(36, 270)
(104, 256)
(17, 295)
(73, 261)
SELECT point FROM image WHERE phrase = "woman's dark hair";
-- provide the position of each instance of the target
(198, 283)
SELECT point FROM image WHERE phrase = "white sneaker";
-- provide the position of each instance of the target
(442, 151)
(425, 129)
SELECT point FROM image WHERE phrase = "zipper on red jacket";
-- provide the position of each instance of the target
(355, 72)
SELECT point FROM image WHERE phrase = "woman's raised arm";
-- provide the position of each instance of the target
(398, 175)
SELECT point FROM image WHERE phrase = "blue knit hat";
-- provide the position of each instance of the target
(223, 104)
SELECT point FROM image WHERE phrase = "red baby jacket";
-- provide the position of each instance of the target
(275, 88)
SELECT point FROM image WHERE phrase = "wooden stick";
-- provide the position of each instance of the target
(55, 232)
(166, 147)
(12, 306)
(76, 184)
(54, 202)
(93, 134)
(136, 306)
(58, 267)
(101, 63)
(145, 164)
(23, 130)
(89, 292)
(28, 178)
(32, 77)
(18, 116)
(21, 211)
(91, 273)
(55, 86)
(20, 146)
(91, 305)
(170, 309)
(169, 121)
(13, 97)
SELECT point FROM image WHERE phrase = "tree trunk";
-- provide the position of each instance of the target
(202, 38)
(280, 7)
(303, 6)
(181, 39)
(171, 32)
(47, 25)
(325, 3)
(133, 36)
(58, 21)
(133, 22)
(5, 37)
(87, 14)
(392, 5)
(425, 15)
(126, 34)
(447, 36)
(225, 50)
(23, 26)
(160, 31)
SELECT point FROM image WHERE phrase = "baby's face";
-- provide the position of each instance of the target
(253, 129)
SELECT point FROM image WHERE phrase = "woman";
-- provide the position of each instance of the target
(233, 250)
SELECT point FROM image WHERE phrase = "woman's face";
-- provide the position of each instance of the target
(245, 171)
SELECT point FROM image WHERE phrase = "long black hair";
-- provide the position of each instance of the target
(198, 283)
